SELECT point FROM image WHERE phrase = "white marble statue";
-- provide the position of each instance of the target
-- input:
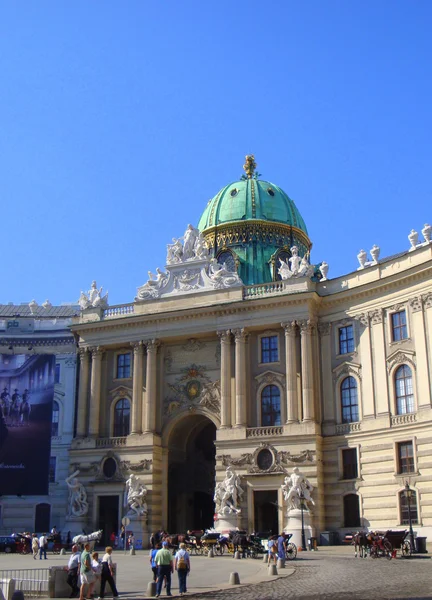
(200, 248)
(294, 261)
(93, 298)
(190, 236)
(228, 494)
(135, 494)
(78, 505)
(305, 269)
(174, 252)
(284, 270)
(152, 288)
(295, 488)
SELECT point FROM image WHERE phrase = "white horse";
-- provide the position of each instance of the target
(92, 537)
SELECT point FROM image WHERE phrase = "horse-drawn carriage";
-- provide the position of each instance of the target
(378, 544)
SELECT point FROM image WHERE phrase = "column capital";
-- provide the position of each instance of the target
(240, 335)
(427, 299)
(152, 345)
(363, 319)
(324, 328)
(97, 352)
(290, 327)
(138, 348)
(225, 336)
(416, 303)
(376, 316)
(84, 354)
(307, 327)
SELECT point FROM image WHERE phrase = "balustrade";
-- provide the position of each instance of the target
(110, 442)
(263, 431)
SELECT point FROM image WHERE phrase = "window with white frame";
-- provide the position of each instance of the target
(55, 418)
(270, 406)
(399, 326)
(269, 349)
(407, 510)
(121, 418)
(404, 390)
(349, 400)
(349, 463)
(123, 370)
(346, 339)
(405, 457)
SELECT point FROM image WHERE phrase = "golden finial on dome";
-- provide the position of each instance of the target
(250, 166)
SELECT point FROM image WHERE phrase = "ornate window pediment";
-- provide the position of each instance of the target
(267, 459)
(121, 391)
(269, 377)
(346, 368)
(400, 357)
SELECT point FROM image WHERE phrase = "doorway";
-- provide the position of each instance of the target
(42, 518)
(266, 512)
(108, 517)
(191, 474)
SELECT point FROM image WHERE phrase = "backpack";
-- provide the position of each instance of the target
(181, 562)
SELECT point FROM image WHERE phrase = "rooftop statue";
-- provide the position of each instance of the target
(296, 488)
(78, 505)
(93, 298)
(297, 267)
(135, 494)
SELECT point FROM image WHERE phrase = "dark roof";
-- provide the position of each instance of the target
(39, 312)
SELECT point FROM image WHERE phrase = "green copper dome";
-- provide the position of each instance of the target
(251, 224)
(251, 199)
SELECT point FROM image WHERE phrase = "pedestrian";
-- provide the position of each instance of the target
(107, 573)
(131, 541)
(272, 550)
(35, 546)
(281, 546)
(97, 568)
(182, 566)
(73, 571)
(86, 574)
(113, 538)
(153, 564)
(122, 537)
(164, 561)
(43, 543)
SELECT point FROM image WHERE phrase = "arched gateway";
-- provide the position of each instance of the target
(191, 472)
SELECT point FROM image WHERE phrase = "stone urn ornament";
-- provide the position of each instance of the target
(361, 257)
(324, 267)
(426, 233)
(413, 238)
(375, 252)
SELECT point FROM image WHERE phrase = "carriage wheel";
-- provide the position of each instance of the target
(406, 549)
(388, 549)
(291, 551)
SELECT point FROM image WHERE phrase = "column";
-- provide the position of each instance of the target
(306, 328)
(380, 365)
(151, 387)
(427, 305)
(368, 396)
(291, 372)
(418, 334)
(240, 377)
(81, 430)
(329, 404)
(225, 340)
(95, 389)
(137, 388)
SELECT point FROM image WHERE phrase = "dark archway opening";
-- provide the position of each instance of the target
(191, 474)
(266, 512)
(108, 517)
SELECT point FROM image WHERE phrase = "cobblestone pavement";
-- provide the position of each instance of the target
(342, 577)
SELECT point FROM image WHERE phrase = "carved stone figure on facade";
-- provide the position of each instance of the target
(201, 249)
(152, 287)
(305, 269)
(190, 236)
(221, 276)
(135, 494)
(94, 298)
(228, 494)
(294, 261)
(174, 252)
(78, 505)
(295, 488)
(284, 270)
(210, 396)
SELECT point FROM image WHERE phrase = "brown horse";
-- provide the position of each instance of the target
(362, 542)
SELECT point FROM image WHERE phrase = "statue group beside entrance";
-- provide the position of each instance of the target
(296, 488)
(228, 494)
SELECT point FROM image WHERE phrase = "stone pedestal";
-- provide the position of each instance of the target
(227, 523)
(294, 526)
(139, 527)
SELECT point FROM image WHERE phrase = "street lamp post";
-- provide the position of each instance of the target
(303, 538)
(408, 495)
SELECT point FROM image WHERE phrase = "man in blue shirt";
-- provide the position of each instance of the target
(281, 546)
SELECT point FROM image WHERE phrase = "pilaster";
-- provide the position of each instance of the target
(291, 372)
(137, 388)
(307, 328)
(82, 412)
(380, 379)
(225, 341)
(95, 389)
(240, 376)
(151, 386)
(419, 336)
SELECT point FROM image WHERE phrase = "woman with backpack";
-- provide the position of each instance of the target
(182, 566)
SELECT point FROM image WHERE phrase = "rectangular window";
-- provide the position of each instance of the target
(405, 454)
(52, 469)
(346, 339)
(349, 463)
(399, 326)
(57, 373)
(406, 510)
(269, 349)
(123, 366)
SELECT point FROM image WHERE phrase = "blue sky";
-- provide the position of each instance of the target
(119, 120)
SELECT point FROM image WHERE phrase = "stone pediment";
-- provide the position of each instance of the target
(121, 391)
(346, 368)
(400, 357)
(269, 377)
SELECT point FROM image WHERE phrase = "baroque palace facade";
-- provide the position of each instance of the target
(241, 353)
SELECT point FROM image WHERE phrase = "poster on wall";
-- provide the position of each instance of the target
(26, 400)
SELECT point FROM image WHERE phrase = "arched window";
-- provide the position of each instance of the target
(404, 390)
(227, 257)
(55, 418)
(350, 412)
(403, 505)
(270, 406)
(121, 418)
(282, 255)
(351, 510)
